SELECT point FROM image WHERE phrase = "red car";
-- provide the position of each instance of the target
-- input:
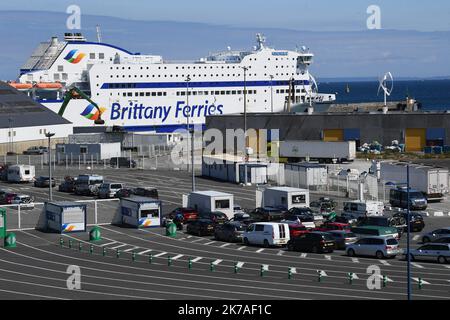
(330, 226)
(7, 198)
(189, 214)
(296, 229)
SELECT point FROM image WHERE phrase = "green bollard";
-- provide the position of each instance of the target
(169, 261)
(261, 271)
(319, 279)
(104, 251)
(290, 273)
(117, 253)
(70, 244)
(190, 264)
(61, 242)
(133, 256)
(384, 281)
(10, 240)
(80, 246)
(150, 258)
(235, 268)
(211, 266)
(350, 277)
(420, 283)
(95, 234)
(91, 249)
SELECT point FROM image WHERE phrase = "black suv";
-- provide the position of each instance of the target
(267, 214)
(416, 223)
(216, 217)
(146, 192)
(43, 182)
(230, 231)
(312, 242)
(201, 227)
(122, 162)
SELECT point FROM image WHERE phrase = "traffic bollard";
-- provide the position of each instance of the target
(236, 268)
(150, 258)
(117, 253)
(420, 283)
(61, 242)
(290, 273)
(80, 246)
(211, 266)
(70, 244)
(91, 249)
(384, 281)
(169, 261)
(190, 264)
(104, 251)
(350, 277)
(133, 256)
(261, 271)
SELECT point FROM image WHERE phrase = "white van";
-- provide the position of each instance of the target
(358, 209)
(267, 234)
(21, 173)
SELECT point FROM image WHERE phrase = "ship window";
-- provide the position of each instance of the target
(136, 94)
(130, 94)
(60, 68)
(239, 92)
(141, 94)
(159, 94)
(228, 92)
(56, 76)
(164, 94)
(101, 56)
(217, 92)
(124, 94)
(222, 92)
(153, 94)
(91, 55)
(233, 92)
(182, 93)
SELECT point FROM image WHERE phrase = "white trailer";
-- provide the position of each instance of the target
(87, 151)
(208, 201)
(306, 175)
(323, 151)
(432, 181)
(285, 197)
(21, 173)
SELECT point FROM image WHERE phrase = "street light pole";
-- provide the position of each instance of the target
(408, 217)
(187, 121)
(245, 124)
(49, 135)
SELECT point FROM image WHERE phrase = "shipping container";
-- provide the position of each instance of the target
(306, 175)
(209, 201)
(285, 197)
(323, 151)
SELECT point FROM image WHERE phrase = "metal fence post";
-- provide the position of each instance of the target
(17, 159)
(67, 163)
(92, 161)
(79, 162)
(95, 212)
(29, 160)
(19, 225)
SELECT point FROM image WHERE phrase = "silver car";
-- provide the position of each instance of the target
(109, 190)
(436, 234)
(25, 201)
(439, 252)
(380, 247)
(343, 238)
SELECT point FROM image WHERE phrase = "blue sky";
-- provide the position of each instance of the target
(316, 15)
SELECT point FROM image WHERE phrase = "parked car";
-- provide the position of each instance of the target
(122, 162)
(380, 247)
(44, 182)
(201, 227)
(267, 234)
(215, 216)
(436, 234)
(314, 242)
(324, 206)
(382, 221)
(35, 150)
(297, 229)
(442, 240)
(347, 217)
(399, 198)
(4, 172)
(109, 190)
(238, 209)
(317, 217)
(230, 231)
(439, 252)
(124, 193)
(88, 184)
(375, 231)
(417, 223)
(68, 185)
(5, 196)
(303, 216)
(189, 214)
(267, 214)
(146, 192)
(25, 201)
(343, 238)
(329, 226)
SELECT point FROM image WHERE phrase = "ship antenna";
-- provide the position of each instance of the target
(260, 39)
(99, 34)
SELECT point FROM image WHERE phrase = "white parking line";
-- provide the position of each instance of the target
(131, 249)
(160, 254)
(327, 257)
(217, 262)
(119, 246)
(260, 250)
(303, 255)
(208, 243)
(385, 262)
(416, 237)
(197, 240)
(189, 237)
(144, 252)
(417, 265)
(107, 244)
(294, 270)
(177, 257)
(225, 245)
(197, 259)
(241, 264)
(241, 248)
(355, 260)
(280, 252)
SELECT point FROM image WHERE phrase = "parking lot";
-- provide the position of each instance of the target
(37, 267)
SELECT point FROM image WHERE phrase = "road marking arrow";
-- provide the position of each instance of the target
(303, 255)
(355, 260)
(327, 257)
(240, 264)
(423, 281)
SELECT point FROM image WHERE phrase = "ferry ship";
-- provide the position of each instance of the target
(148, 93)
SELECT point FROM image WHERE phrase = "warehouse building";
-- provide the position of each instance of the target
(414, 129)
(24, 122)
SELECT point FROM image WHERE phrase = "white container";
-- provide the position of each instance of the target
(267, 234)
(318, 150)
(208, 201)
(432, 181)
(87, 151)
(306, 175)
(21, 173)
(285, 197)
(65, 217)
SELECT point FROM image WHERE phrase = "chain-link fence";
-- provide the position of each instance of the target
(28, 216)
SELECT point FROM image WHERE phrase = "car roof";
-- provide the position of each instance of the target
(377, 237)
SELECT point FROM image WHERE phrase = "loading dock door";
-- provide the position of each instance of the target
(415, 139)
(435, 137)
(333, 135)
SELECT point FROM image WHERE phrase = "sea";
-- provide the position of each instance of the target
(432, 94)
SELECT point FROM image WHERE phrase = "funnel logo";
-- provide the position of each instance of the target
(73, 57)
(92, 113)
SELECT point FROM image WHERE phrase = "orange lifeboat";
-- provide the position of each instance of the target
(21, 86)
(49, 85)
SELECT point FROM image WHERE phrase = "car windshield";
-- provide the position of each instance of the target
(392, 242)
(350, 235)
(116, 186)
(416, 195)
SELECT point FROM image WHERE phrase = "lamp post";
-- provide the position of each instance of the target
(188, 79)
(49, 135)
(245, 124)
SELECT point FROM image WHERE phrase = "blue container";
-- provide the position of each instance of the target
(437, 150)
(428, 150)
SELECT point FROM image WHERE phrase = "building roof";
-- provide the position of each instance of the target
(287, 189)
(19, 110)
(212, 193)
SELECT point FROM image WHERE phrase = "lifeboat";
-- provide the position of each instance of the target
(21, 86)
(48, 85)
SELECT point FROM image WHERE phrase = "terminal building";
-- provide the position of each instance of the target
(416, 130)
(24, 122)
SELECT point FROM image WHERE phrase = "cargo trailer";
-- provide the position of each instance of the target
(285, 197)
(209, 201)
(322, 151)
